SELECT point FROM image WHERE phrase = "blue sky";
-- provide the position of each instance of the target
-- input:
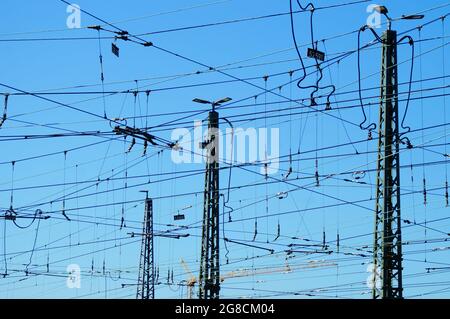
(251, 49)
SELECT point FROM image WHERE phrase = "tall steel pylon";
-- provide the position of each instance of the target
(387, 236)
(146, 280)
(209, 278)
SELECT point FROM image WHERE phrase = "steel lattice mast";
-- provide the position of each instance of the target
(209, 278)
(387, 236)
(146, 280)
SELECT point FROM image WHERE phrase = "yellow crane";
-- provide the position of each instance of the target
(270, 270)
(246, 272)
(191, 281)
(254, 272)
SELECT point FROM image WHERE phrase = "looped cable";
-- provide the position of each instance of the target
(225, 201)
(114, 121)
(314, 45)
(372, 126)
(5, 110)
(310, 5)
(223, 228)
(405, 140)
(36, 213)
(295, 41)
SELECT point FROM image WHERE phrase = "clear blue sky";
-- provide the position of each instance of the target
(94, 238)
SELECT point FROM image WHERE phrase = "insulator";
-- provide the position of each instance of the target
(446, 193)
(337, 242)
(256, 230)
(324, 245)
(317, 178)
(133, 141)
(121, 222)
(424, 192)
(278, 231)
(289, 172)
(5, 110)
(145, 148)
